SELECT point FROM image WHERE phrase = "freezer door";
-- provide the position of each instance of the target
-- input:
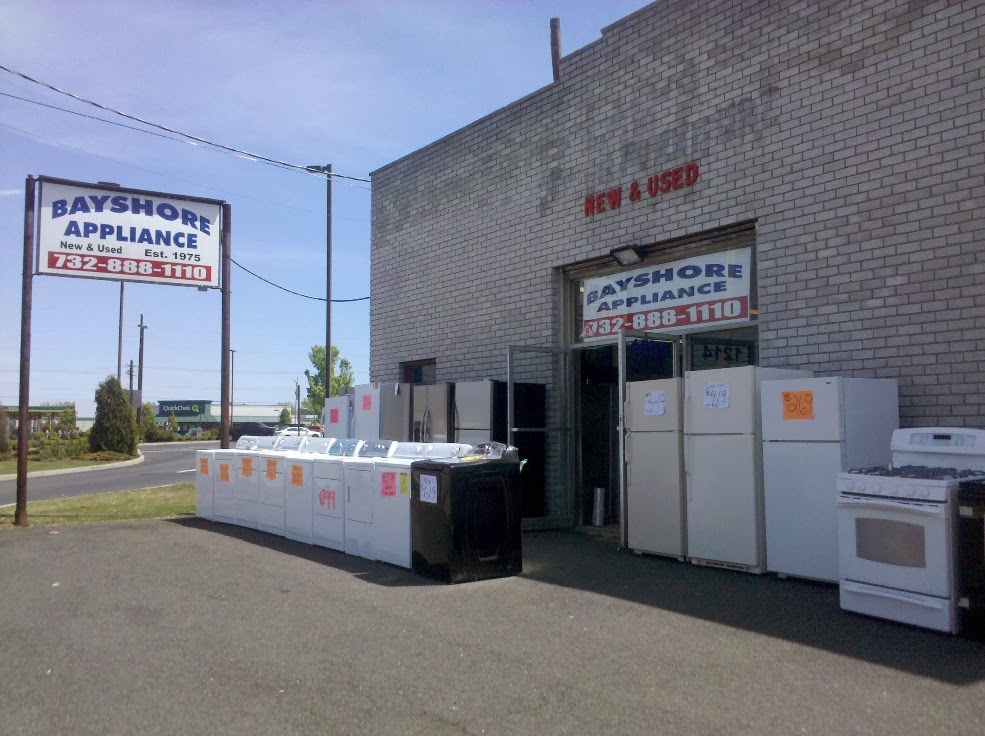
(653, 406)
(366, 412)
(802, 508)
(720, 401)
(803, 409)
(437, 420)
(473, 407)
(655, 493)
(394, 403)
(724, 522)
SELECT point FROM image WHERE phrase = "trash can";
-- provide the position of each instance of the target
(970, 562)
(465, 515)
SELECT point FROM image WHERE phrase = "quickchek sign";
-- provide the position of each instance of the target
(184, 407)
(669, 297)
(128, 235)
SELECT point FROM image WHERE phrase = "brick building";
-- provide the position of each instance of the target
(841, 145)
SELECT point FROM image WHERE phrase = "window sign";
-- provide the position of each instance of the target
(707, 289)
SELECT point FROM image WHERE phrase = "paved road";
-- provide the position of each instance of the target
(197, 628)
(163, 464)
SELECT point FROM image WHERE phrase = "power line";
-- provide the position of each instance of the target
(297, 293)
(230, 149)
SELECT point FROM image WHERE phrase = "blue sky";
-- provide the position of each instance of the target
(355, 84)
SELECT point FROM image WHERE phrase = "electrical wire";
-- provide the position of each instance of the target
(230, 149)
(297, 293)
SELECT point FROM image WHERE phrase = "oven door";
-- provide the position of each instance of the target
(895, 543)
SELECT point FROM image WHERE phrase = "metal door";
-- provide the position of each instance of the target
(645, 339)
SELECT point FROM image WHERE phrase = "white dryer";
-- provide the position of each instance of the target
(358, 474)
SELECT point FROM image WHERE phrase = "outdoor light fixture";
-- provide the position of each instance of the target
(627, 255)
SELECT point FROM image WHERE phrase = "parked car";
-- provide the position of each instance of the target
(255, 429)
(298, 431)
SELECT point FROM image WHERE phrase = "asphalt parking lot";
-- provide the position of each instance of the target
(191, 627)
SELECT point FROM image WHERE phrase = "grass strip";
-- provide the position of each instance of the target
(149, 503)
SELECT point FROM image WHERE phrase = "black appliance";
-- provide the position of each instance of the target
(465, 515)
(970, 554)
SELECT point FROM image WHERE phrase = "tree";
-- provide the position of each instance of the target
(115, 428)
(172, 421)
(285, 416)
(4, 431)
(66, 420)
(342, 377)
(149, 431)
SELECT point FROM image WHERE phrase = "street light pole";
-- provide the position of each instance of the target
(327, 170)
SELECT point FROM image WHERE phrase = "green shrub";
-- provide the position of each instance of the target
(210, 434)
(114, 429)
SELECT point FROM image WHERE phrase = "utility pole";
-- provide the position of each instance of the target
(140, 372)
(130, 371)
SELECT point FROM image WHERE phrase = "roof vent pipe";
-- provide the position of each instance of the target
(556, 47)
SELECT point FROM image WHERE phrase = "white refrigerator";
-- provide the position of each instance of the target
(723, 466)
(381, 411)
(337, 417)
(813, 429)
(655, 501)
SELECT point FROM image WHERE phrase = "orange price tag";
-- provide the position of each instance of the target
(271, 469)
(203, 465)
(247, 467)
(297, 475)
(798, 405)
(223, 472)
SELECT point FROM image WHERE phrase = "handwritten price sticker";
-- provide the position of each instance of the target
(271, 469)
(798, 405)
(388, 484)
(429, 488)
(297, 475)
(716, 396)
(333, 416)
(655, 403)
(203, 465)
(247, 469)
(367, 402)
(404, 484)
(223, 472)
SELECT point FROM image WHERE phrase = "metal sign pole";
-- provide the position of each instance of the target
(227, 226)
(24, 415)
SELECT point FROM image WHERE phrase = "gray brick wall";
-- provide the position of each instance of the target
(852, 132)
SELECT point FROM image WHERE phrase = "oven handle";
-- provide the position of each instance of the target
(893, 595)
(935, 510)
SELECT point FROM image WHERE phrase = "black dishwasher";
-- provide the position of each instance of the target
(465, 515)
(970, 553)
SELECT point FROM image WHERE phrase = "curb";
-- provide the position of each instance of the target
(87, 469)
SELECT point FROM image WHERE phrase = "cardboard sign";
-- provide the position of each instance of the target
(297, 475)
(798, 405)
(388, 484)
(247, 470)
(271, 469)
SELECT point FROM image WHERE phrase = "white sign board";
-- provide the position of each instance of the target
(716, 396)
(429, 488)
(707, 289)
(655, 404)
(127, 235)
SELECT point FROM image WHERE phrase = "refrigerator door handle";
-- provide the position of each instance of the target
(424, 425)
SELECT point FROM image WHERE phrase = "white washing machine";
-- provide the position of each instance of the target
(247, 483)
(299, 488)
(390, 529)
(328, 491)
(358, 474)
(214, 485)
(272, 485)
(204, 485)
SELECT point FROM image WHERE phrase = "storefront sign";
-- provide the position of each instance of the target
(183, 407)
(126, 235)
(669, 297)
(654, 186)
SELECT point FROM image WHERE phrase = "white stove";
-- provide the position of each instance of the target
(896, 527)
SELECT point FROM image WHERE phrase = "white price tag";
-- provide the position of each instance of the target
(655, 404)
(716, 396)
(429, 488)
